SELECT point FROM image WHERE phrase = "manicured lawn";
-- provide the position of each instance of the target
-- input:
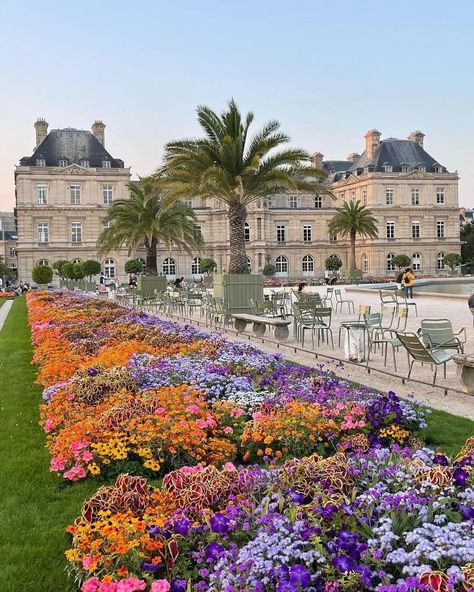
(35, 506)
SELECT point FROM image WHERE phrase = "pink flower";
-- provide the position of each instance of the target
(160, 586)
(228, 430)
(229, 467)
(87, 456)
(57, 463)
(257, 415)
(91, 585)
(49, 425)
(237, 412)
(160, 410)
(75, 473)
(130, 585)
(87, 561)
(192, 409)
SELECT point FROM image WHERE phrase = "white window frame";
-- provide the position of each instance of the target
(389, 196)
(389, 262)
(247, 232)
(440, 264)
(307, 233)
(281, 264)
(106, 164)
(107, 194)
(110, 268)
(42, 230)
(307, 264)
(415, 196)
(416, 261)
(76, 232)
(43, 262)
(196, 266)
(42, 194)
(293, 202)
(390, 229)
(40, 162)
(62, 162)
(280, 233)
(440, 229)
(169, 266)
(440, 196)
(75, 194)
(415, 229)
(12, 252)
(364, 262)
(318, 202)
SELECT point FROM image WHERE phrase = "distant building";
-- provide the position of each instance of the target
(466, 216)
(63, 191)
(8, 240)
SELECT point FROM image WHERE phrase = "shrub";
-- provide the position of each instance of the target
(134, 266)
(42, 274)
(333, 263)
(208, 266)
(91, 267)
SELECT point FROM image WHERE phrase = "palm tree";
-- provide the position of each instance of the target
(353, 219)
(149, 218)
(226, 164)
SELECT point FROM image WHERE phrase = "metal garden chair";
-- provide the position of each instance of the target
(440, 333)
(340, 301)
(402, 301)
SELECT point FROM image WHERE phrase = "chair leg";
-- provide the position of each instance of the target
(411, 367)
(444, 366)
(394, 360)
(434, 375)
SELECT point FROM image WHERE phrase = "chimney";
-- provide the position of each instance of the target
(417, 137)
(98, 130)
(372, 142)
(353, 157)
(317, 160)
(41, 127)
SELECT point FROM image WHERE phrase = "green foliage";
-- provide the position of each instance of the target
(148, 218)
(78, 271)
(208, 266)
(452, 260)
(7, 272)
(333, 263)
(467, 242)
(91, 267)
(401, 261)
(58, 267)
(42, 274)
(229, 165)
(73, 271)
(134, 266)
(269, 270)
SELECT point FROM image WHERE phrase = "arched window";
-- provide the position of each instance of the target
(246, 232)
(390, 265)
(364, 260)
(416, 261)
(281, 264)
(196, 266)
(45, 262)
(77, 260)
(169, 266)
(12, 266)
(440, 261)
(249, 264)
(109, 268)
(307, 263)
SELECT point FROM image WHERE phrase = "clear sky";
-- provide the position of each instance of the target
(328, 71)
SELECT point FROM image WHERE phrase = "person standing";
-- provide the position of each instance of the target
(102, 278)
(408, 281)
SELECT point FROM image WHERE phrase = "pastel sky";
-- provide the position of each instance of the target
(328, 71)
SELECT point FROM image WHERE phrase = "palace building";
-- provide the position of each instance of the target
(63, 191)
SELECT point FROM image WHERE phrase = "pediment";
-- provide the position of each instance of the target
(415, 174)
(74, 169)
(350, 179)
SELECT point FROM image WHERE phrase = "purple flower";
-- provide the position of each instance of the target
(219, 523)
(460, 477)
(213, 551)
(467, 512)
(148, 566)
(343, 563)
(441, 459)
(300, 576)
(154, 531)
(182, 526)
(296, 498)
(179, 585)
(92, 371)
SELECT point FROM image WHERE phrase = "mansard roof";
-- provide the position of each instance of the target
(397, 153)
(72, 145)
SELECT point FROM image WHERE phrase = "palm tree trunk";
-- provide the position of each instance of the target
(238, 259)
(151, 256)
(353, 251)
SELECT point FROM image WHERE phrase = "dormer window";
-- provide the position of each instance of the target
(370, 168)
(84, 162)
(422, 168)
(387, 168)
(106, 164)
(437, 168)
(63, 162)
(359, 171)
(404, 167)
(40, 162)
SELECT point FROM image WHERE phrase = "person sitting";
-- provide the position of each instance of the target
(178, 282)
(301, 286)
(132, 280)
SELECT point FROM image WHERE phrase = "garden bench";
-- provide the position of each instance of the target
(260, 323)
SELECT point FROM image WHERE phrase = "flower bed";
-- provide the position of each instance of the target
(336, 470)
(7, 295)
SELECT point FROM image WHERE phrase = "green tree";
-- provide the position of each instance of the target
(208, 266)
(353, 219)
(148, 218)
(91, 267)
(42, 274)
(333, 263)
(269, 270)
(58, 267)
(401, 261)
(228, 165)
(134, 266)
(467, 242)
(78, 271)
(452, 260)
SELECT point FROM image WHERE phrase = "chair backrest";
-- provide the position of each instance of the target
(387, 297)
(437, 331)
(373, 320)
(402, 318)
(304, 310)
(338, 294)
(323, 314)
(415, 347)
(329, 292)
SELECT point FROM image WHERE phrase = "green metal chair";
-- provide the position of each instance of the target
(388, 298)
(420, 353)
(402, 301)
(380, 339)
(340, 301)
(363, 311)
(304, 315)
(440, 333)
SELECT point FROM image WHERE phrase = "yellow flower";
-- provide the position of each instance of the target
(93, 469)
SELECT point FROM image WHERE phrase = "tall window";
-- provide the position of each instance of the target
(440, 228)
(76, 232)
(415, 229)
(416, 261)
(75, 194)
(63, 162)
(389, 193)
(109, 268)
(188, 202)
(281, 233)
(249, 265)
(440, 195)
(106, 164)
(390, 229)
(364, 197)
(307, 233)
(307, 263)
(246, 232)
(440, 261)
(43, 232)
(196, 266)
(259, 229)
(318, 202)
(43, 262)
(390, 264)
(12, 251)
(281, 264)
(42, 194)
(415, 196)
(107, 194)
(364, 262)
(169, 266)
(293, 201)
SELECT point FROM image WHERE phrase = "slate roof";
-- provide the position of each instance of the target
(73, 145)
(397, 153)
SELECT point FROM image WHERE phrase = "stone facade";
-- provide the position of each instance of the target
(413, 197)
(8, 240)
